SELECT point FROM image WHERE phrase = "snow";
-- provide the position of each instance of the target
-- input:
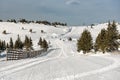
(61, 61)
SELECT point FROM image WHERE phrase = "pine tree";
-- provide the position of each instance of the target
(101, 41)
(107, 39)
(85, 42)
(0, 45)
(7, 46)
(112, 36)
(28, 43)
(3, 45)
(18, 43)
(44, 44)
(11, 43)
(40, 41)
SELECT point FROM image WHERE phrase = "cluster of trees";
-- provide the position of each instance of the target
(58, 23)
(105, 41)
(43, 22)
(3, 45)
(12, 20)
(20, 20)
(43, 43)
(26, 44)
(1, 20)
(18, 44)
(39, 22)
(51, 23)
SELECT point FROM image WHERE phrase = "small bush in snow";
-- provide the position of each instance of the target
(70, 39)
(4, 32)
(42, 31)
(22, 28)
(30, 30)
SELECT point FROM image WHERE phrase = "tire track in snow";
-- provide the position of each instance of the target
(115, 64)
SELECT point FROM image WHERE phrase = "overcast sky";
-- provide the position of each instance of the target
(74, 12)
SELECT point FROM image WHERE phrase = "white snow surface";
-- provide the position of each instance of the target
(61, 61)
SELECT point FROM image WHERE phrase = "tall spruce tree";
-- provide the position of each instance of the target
(28, 43)
(85, 42)
(11, 43)
(18, 43)
(3, 45)
(101, 41)
(44, 44)
(112, 36)
(0, 45)
(7, 45)
(40, 41)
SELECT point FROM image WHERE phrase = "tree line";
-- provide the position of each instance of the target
(106, 41)
(45, 22)
(26, 44)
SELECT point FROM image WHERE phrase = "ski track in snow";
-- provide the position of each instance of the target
(20, 66)
(114, 65)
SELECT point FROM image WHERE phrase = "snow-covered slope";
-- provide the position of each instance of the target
(14, 29)
(62, 61)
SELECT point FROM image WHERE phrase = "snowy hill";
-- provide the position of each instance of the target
(62, 61)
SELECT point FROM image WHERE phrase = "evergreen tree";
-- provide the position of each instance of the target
(11, 43)
(3, 45)
(112, 36)
(18, 43)
(28, 43)
(0, 45)
(40, 41)
(85, 42)
(107, 39)
(7, 46)
(44, 44)
(101, 41)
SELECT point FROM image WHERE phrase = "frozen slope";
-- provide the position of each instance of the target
(62, 61)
